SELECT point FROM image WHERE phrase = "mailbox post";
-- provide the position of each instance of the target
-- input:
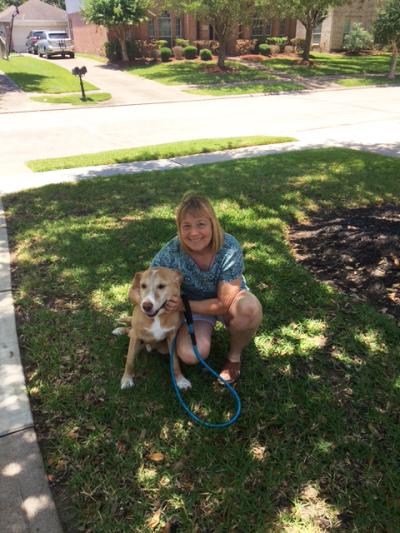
(80, 72)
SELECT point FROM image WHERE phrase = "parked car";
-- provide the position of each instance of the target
(55, 43)
(32, 39)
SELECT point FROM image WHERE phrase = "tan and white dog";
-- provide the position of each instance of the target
(151, 325)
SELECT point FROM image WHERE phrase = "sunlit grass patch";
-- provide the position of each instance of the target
(316, 447)
(74, 99)
(148, 153)
(35, 75)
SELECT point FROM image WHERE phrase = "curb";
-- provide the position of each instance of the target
(26, 503)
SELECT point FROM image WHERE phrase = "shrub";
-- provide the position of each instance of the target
(162, 43)
(279, 41)
(264, 49)
(211, 45)
(113, 50)
(149, 48)
(178, 52)
(182, 42)
(165, 54)
(190, 52)
(358, 39)
(205, 54)
(245, 46)
(298, 44)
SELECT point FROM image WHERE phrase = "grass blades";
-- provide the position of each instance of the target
(249, 88)
(74, 99)
(317, 445)
(194, 73)
(148, 153)
(36, 75)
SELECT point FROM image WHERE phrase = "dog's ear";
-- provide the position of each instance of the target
(179, 277)
(136, 280)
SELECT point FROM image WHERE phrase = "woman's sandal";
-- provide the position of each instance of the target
(231, 372)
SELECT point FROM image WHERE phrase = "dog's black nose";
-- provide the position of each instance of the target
(147, 306)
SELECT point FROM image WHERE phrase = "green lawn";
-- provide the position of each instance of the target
(248, 88)
(332, 64)
(317, 446)
(35, 75)
(359, 82)
(148, 153)
(194, 73)
(74, 99)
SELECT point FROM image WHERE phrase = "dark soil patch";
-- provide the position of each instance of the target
(355, 250)
(253, 57)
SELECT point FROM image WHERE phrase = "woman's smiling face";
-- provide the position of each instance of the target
(196, 231)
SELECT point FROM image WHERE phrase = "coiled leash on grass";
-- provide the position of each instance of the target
(189, 321)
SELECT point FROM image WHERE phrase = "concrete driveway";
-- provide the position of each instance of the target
(124, 88)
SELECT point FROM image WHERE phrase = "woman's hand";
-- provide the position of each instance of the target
(174, 305)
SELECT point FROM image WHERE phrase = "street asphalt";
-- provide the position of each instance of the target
(371, 121)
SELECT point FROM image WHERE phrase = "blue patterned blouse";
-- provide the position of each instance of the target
(199, 284)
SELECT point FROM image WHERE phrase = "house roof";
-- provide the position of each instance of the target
(34, 10)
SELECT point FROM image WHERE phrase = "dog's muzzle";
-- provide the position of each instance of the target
(147, 308)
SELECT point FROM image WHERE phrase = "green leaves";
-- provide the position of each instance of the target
(115, 12)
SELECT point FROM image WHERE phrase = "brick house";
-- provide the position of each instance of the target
(89, 38)
(330, 34)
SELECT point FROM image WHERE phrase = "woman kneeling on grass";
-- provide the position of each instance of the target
(211, 262)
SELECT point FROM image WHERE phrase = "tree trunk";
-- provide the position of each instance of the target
(393, 64)
(120, 32)
(222, 53)
(307, 43)
(221, 31)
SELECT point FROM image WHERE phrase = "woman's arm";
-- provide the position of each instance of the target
(227, 292)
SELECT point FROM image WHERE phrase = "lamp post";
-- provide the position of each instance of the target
(80, 72)
(16, 12)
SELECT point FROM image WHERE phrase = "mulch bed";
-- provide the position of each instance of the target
(355, 250)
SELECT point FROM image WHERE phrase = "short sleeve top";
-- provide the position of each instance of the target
(200, 284)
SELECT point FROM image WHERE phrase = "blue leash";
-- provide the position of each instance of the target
(189, 320)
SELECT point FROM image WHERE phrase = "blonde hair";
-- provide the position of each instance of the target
(199, 205)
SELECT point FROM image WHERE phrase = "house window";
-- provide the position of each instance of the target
(164, 24)
(268, 27)
(150, 29)
(282, 28)
(316, 35)
(178, 27)
(257, 28)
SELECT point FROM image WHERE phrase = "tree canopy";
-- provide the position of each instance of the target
(116, 14)
(222, 15)
(387, 31)
(310, 13)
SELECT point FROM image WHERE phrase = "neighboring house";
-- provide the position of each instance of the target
(90, 38)
(330, 34)
(33, 15)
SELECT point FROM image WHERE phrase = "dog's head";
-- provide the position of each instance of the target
(156, 287)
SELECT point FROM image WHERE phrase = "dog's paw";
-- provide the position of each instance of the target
(127, 382)
(118, 331)
(149, 348)
(183, 383)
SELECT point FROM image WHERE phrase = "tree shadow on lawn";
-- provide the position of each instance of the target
(317, 442)
(28, 82)
(347, 65)
(197, 73)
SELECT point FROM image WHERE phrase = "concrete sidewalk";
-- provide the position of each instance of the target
(26, 504)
